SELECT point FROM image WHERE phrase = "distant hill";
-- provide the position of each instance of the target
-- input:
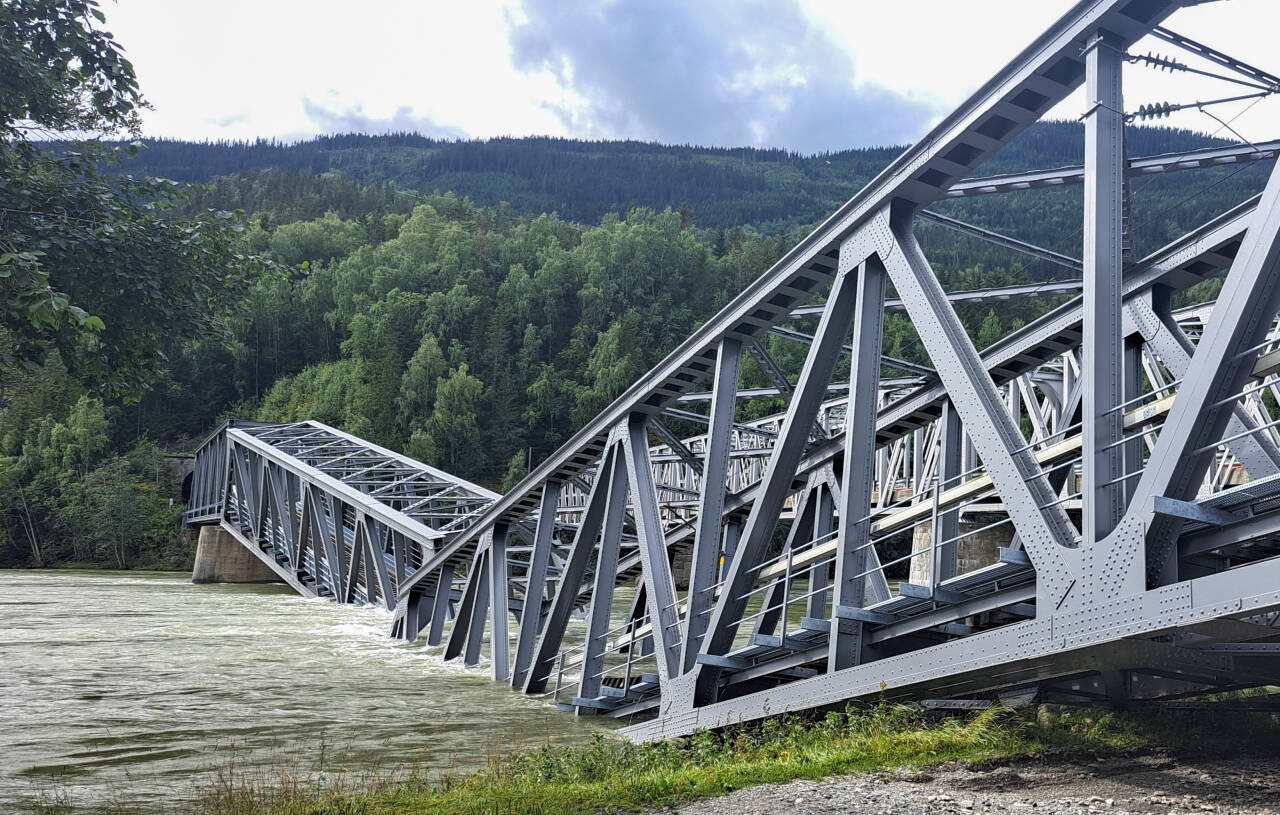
(584, 180)
(425, 303)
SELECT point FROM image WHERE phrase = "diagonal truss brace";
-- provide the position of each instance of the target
(1042, 524)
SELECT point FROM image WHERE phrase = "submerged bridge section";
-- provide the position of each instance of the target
(329, 514)
(1088, 509)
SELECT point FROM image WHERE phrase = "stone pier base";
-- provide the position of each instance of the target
(976, 549)
(220, 558)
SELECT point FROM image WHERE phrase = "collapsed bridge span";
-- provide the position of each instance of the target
(1088, 509)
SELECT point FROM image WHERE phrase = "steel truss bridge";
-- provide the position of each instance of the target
(1089, 509)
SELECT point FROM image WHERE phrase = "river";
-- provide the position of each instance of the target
(143, 689)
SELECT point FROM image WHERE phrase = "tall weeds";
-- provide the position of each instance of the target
(611, 775)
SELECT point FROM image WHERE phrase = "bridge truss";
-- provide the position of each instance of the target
(1088, 509)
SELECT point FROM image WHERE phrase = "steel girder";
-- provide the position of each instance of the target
(929, 468)
(333, 516)
(1095, 496)
(1145, 166)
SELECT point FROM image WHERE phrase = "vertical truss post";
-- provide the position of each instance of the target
(946, 549)
(347, 575)
(400, 553)
(377, 551)
(411, 620)
(788, 449)
(602, 592)
(284, 515)
(664, 617)
(1133, 449)
(584, 542)
(820, 575)
(535, 582)
(312, 525)
(854, 535)
(706, 542)
(364, 540)
(327, 526)
(426, 599)
(732, 534)
(499, 602)
(258, 496)
(1102, 359)
(642, 646)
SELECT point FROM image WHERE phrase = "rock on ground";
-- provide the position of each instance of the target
(1118, 785)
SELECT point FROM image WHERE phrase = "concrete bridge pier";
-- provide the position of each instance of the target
(221, 558)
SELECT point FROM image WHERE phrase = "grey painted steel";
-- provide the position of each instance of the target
(1042, 523)
(474, 633)
(705, 567)
(566, 594)
(602, 595)
(1102, 348)
(329, 528)
(1257, 454)
(1015, 600)
(760, 523)
(440, 611)
(1041, 75)
(1038, 252)
(462, 628)
(1147, 165)
(1263, 78)
(659, 587)
(853, 557)
(946, 529)
(535, 584)
(1111, 634)
(1246, 310)
(891, 362)
(498, 597)
(976, 297)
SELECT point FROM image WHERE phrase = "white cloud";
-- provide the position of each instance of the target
(247, 68)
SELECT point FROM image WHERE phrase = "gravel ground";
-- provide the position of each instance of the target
(1157, 784)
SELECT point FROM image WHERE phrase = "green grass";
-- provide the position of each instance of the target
(611, 775)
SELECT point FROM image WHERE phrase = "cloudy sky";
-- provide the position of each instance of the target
(808, 75)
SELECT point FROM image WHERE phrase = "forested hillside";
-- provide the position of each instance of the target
(425, 297)
(582, 181)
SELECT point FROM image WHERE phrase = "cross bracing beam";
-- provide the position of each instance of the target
(1030, 249)
(983, 453)
(1259, 76)
(975, 297)
(1198, 255)
(1147, 165)
(888, 361)
(768, 393)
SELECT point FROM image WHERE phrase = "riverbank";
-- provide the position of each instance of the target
(1150, 783)
(610, 775)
